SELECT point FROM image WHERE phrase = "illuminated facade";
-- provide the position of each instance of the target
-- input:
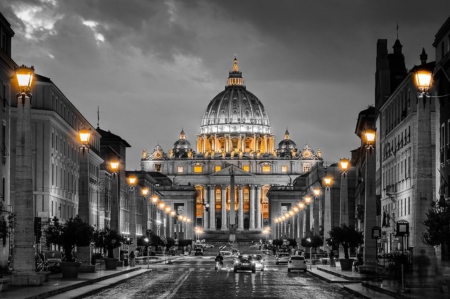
(234, 138)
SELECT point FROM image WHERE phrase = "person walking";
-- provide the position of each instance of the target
(132, 259)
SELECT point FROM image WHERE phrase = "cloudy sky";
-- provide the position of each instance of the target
(153, 66)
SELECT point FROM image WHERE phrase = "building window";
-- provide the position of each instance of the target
(180, 169)
(246, 168)
(158, 167)
(217, 168)
(306, 167)
(266, 168)
(284, 169)
(198, 169)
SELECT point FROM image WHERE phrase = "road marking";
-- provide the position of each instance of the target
(170, 293)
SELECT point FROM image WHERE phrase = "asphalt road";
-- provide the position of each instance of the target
(195, 277)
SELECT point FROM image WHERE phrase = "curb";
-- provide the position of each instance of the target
(79, 285)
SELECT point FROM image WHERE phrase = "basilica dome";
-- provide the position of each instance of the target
(235, 110)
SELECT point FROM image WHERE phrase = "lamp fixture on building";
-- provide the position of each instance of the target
(154, 199)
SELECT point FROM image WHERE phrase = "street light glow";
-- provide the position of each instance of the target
(344, 164)
(24, 77)
(423, 80)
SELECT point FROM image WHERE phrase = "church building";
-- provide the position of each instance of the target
(234, 162)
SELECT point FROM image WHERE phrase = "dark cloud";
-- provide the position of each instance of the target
(311, 63)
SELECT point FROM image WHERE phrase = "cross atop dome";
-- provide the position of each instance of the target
(235, 76)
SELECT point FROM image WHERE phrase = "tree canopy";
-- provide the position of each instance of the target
(437, 224)
(347, 236)
(315, 241)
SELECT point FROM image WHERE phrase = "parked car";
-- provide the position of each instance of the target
(244, 262)
(209, 246)
(282, 258)
(297, 262)
(258, 260)
(198, 251)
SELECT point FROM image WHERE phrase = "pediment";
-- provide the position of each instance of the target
(236, 170)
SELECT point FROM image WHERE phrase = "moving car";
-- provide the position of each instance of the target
(297, 262)
(244, 262)
(258, 260)
(282, 258)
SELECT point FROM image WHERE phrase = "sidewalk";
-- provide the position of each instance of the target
(366, 286)
(86, 283)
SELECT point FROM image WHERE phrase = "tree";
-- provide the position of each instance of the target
(292, 242)
(108, 239)
(347, 236)
(73, 232)
(437, 224)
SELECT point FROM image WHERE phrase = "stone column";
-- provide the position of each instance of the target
(241, 208)
(24, 261)
(84, 206)
(300, 223)
(205, 213)
(327, 215)
(252, 207)
(306, 224)
(224, 207)
(315, 206)
(258, 207)
(212, 207)
(370, 212)
(343, 198)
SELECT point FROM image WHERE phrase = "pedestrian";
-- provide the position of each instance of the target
(423, 262)
(332, 262)
(132, 259)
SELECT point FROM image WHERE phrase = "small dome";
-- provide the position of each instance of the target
(286, 147)
(181, 147)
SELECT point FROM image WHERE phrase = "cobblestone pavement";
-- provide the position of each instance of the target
(195, 277)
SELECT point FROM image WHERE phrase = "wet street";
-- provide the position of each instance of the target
(195, 277)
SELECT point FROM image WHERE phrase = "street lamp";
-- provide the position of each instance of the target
(24, 265)
(423, 78)
(114, 166)
(327, 182)
(84, 135)
(370, 206)
(307, 199)
(132, 182)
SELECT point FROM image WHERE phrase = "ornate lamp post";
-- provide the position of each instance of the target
(24, 264)
(84, 202)
(114, 168)
(344, 165)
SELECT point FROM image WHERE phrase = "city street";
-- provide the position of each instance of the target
(195, 277)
